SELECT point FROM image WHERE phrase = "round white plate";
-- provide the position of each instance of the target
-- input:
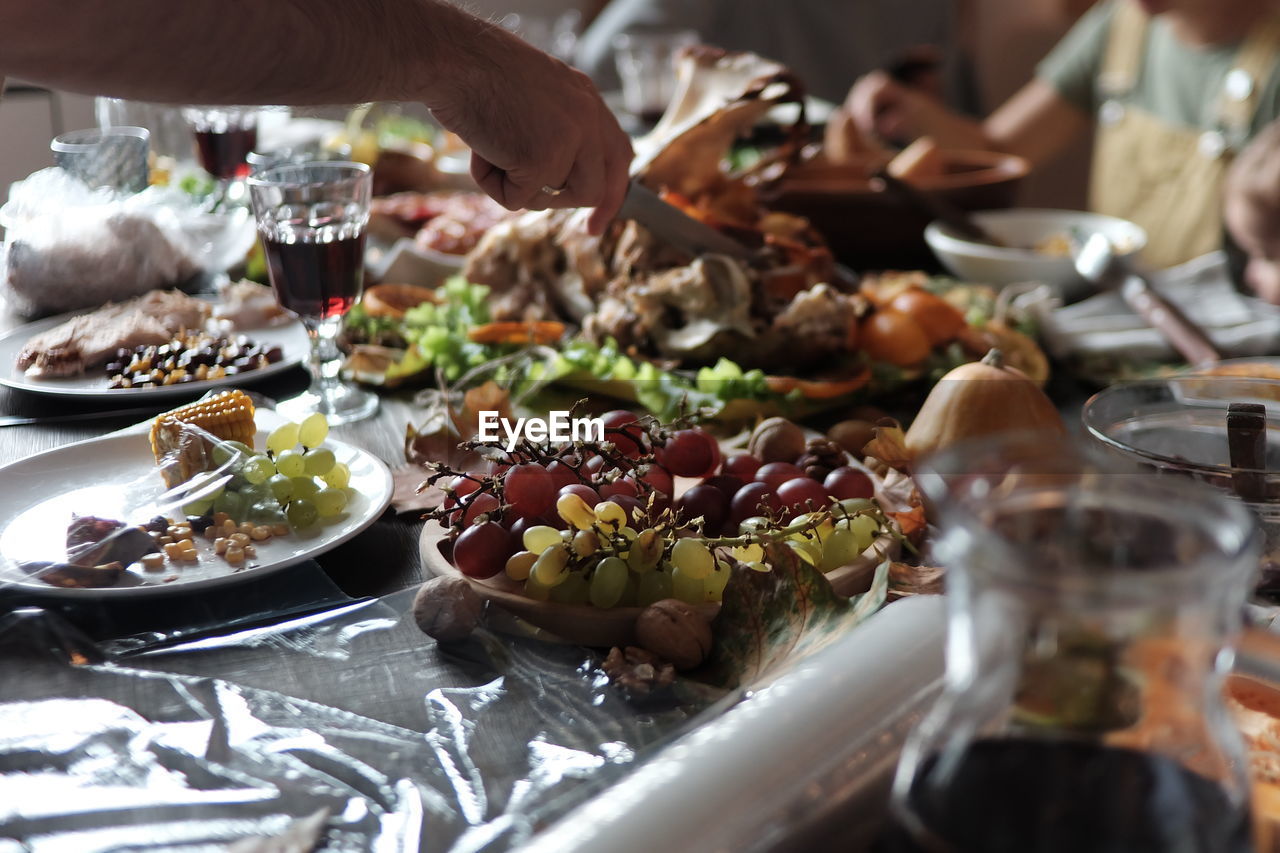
(115, 477)
(291, 338)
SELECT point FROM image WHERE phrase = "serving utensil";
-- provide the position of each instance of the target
(111, 415)
(673, 226)
(1096, 262)
(935, 207)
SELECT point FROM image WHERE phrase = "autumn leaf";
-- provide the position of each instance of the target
(889, 445)
(769, 618)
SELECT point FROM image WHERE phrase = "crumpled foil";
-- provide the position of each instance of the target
(406, 744)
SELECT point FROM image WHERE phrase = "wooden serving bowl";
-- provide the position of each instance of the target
(591, 626)
(868, 229)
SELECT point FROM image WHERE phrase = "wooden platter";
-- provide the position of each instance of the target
(591, 626)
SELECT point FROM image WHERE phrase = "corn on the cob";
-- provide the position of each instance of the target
(180, 453)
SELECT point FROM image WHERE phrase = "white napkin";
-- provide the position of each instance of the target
(1103, 325)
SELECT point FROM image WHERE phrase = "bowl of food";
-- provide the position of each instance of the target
(1037, 246)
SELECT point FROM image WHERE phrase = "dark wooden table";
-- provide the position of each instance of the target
(381, 560)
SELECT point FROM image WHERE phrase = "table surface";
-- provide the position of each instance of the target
(381, 560)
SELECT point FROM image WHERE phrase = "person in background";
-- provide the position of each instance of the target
(1172, 88)
(825, 43)
(540, 134)
(1251, 208)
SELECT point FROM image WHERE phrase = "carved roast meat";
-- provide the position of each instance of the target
(778, 310)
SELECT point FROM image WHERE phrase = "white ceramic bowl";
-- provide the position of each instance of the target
(1024, 228)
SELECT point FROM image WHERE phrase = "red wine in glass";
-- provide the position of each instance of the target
(224, 153)
(320, 279)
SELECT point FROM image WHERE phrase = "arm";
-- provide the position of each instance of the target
(1036, 123)
(530, 120)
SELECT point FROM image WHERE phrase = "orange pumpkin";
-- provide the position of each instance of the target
(940, 320)
(894, 337)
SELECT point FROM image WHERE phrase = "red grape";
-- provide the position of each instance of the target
(708, 502)
(776, 473)
(588, 494)
(482, 550)
(621, 427)
(529, 489)
(562, 475)
(629, 506)
(743, 466)
(621, 486)
(550, 519)
(845, 482)
(520, 525)
(477, 506)
(595, 465)
(803, 494)
(659, 479)
(691, 453)
(726, 483)
(754, 499)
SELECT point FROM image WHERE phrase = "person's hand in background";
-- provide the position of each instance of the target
(885, 109)
(533, 123)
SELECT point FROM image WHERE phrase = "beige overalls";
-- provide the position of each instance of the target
(1169, 179)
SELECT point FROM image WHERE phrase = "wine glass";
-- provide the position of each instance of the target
(225, 135)
(312, 218)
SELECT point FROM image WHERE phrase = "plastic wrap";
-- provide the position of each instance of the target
(351, 714)
(69, 247)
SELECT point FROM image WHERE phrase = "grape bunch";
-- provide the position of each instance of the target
(594, 522)
(298, 480)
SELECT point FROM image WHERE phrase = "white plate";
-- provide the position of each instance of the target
(115, 477)
(291, 338)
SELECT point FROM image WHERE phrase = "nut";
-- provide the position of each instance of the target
(853, 435)
(776, 440)
(674, 631)
(637, 672)
(447, 609)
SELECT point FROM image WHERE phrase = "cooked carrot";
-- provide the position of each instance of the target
(818, 389)
(544, 332)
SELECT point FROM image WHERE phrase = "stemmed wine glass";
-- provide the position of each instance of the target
(225, 136)
(312, 217)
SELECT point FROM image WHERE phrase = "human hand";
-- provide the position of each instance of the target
(533, 122)
(883, 107)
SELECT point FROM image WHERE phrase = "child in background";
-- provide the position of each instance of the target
(1251, 208)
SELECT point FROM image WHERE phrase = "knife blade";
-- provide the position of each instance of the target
(673, 226)
(25, 420)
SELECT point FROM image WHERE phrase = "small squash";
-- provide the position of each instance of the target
(979, 399)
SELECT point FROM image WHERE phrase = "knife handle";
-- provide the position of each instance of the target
(1185, 336)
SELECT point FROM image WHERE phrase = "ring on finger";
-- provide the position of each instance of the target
(555, 191)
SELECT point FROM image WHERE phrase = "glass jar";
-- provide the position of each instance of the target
(1090, 614)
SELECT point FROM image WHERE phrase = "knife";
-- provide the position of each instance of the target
(24, 420)
(1096, 262)
(673, 226)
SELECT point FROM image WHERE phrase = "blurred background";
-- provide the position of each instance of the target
(991, 46)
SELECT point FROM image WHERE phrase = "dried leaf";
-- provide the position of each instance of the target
(912, 523)
(769, 618)
(906, 580)
(889, 445)
(405, 494)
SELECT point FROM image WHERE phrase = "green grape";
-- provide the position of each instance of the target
(713, 584)
(255, 493)
(313, 430)
(806, 549)
(748, 553)
(692, 557)
(304, 487)
(609, 582)
(572, 590)
(258, 469)
(628, 598)
(754, 523)
(266, 512)
(339, 476)
(685, 587)
(585, 543)
(198, 508)
(291, 463)
(535, 590)
(840, 549)
(855, 506)
(539, 538)
(574, 510)
(759, 566)
(228, 451)
(231, 503)
(301, 513)
(645, 552)
(330, 502)
(611, 514)
(652, 586)
(519, 565)
(282, 487)
(866, 529)
(318, 462)
(552, 566)
(282, 438)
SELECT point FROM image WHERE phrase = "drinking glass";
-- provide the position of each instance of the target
(1091, 610)
(114, 157)
(312, 218)
(224, 138)
(646, 69)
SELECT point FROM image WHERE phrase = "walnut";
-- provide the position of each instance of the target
(776, 440)
(821, 457)
(447, 608)
(674, 631)
(637, 672)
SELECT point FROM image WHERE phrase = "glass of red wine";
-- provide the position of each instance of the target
(225, 136)
(1091, 610)
(311, 219)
